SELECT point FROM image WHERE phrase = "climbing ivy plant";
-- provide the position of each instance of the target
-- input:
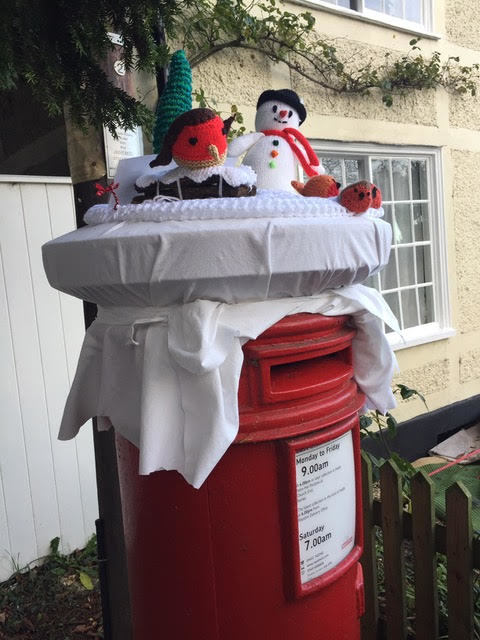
(293, 39)
(57, 49)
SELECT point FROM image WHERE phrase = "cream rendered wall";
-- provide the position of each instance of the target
(446, 370)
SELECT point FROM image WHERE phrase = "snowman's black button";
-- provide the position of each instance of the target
(193, 141)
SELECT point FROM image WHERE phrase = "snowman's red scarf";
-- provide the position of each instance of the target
(290, 135)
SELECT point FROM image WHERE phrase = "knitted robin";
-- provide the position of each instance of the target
(322, 186)
(197, 142)
(196, 139)
(360, 196)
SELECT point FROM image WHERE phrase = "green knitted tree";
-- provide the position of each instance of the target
(175, 99)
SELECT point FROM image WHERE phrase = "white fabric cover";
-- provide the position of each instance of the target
(160, 264)
(167, 378)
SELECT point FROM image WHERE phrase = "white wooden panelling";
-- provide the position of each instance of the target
(47, 486)
(72, 316)
(15, 498)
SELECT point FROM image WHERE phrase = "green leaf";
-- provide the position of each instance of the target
(365, 422)
(406, 468)
(406, 393)
(54, 544)
(86, 580)
(391, 425)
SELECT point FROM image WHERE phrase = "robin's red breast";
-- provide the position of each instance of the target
(201, 145)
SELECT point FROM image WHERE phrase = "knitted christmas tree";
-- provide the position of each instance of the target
(175, 99)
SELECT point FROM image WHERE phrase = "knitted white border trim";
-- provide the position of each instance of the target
(266, 204)
(235, 176)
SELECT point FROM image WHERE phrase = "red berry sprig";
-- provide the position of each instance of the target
(101, 190)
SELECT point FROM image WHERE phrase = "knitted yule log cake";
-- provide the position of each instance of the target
(197, 142)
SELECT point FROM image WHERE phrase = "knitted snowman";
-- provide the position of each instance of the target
(277, 148)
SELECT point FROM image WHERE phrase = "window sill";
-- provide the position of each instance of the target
(419, 335)
(385, 22)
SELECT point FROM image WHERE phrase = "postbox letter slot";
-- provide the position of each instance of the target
(306, 377)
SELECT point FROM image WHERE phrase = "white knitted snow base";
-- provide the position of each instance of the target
(266, 204)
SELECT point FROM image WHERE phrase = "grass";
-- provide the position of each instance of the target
(57, 600)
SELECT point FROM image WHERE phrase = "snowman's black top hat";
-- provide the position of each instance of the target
(286, 96)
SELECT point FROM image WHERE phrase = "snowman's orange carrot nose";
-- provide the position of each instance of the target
(274, 153)
(213, 151)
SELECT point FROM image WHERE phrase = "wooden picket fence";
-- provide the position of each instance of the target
(427, 538)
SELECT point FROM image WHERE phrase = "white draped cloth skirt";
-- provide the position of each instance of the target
(167, 378)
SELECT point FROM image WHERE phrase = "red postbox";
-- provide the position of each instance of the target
(268, 547)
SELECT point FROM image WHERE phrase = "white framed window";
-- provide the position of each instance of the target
(408, 15)
(415, 281)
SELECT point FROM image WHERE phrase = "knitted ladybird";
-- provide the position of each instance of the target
(196, 139)
(360, 196)
(322, 186)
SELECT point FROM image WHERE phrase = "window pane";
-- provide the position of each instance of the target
(333, 167)
(420, 222)
(372, 281)
(409, 280)
(409, 308)
(400, 170)
(392, 300)
(352, 171)
(403, 227)
(413, 11)
(424, 264)
(394, 8)
(406, 266)
(344, 3)
(344, 170)
(419, 180)
(410, 10)
(388, 276)
(387, 214)
(375, 5)
(381, 177)
(425, 299)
